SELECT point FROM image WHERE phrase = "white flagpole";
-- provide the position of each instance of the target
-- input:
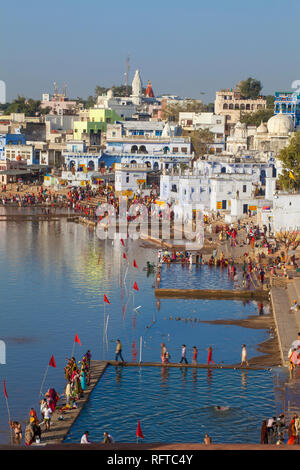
(103, 329)
(9, 419)
(43, 381)
(73, 349)
(141, 342)
(106, 332)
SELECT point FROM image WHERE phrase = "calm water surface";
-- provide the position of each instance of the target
(177, 405)
(52, 279)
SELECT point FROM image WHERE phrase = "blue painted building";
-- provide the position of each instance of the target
(288, 102)
(10, 139)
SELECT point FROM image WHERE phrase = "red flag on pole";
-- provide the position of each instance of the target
(5, 392)
(52, 362)
(124, 256)
(122, 241)
(135, 286)
(139, 431)
(77, 340)
(134, 264)
(106, 299)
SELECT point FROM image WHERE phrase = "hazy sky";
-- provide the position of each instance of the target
(185, 47)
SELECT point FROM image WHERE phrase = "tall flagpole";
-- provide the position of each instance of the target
(103, 329)
(8, 412)
(141, 342)
(43, 381)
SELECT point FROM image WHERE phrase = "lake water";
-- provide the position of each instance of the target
(177, 405)
(53, 276)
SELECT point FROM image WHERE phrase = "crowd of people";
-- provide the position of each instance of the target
(279, 430)
(78, 378)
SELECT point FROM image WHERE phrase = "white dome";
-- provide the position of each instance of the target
(262, 128)
(280, 124)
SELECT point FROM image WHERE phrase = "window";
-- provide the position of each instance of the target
(127, 179)
(184, 149)
(244, 188)
(175, 149)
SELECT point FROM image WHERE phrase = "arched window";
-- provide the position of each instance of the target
(142, 149)
(72, 164)
(156, 166)
(225, 106)
(134, 149)
(236, 106)
(91, 165)
(231, 106)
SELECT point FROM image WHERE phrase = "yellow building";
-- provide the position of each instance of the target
(93, 121)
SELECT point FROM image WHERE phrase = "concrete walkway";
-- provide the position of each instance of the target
(60, 428)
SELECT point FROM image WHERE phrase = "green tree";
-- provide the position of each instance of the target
(100, 90)
(254, 119)
(172, 110)
(250, 88)
(201, 141)
(29, 106)
(289, 179)
(270, 101)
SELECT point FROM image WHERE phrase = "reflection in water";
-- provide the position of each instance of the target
(53, 278)
(244, 379)
(134, 351)
(209, 377)
(119, 372)
(172, 409)
(194, 375)
(164, 375)
(183, 371)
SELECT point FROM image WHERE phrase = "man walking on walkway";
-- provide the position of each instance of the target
(119, 351)
(183, 354)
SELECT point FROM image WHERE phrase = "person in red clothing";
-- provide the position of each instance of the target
(209, 357)
(195, 354)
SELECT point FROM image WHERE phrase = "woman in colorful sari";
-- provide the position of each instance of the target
(83, 382)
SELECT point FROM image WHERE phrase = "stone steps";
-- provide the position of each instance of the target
(285, 320)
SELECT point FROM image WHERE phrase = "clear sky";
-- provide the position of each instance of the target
(186, 47)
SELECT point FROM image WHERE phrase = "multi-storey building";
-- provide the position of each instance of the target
(231, 104)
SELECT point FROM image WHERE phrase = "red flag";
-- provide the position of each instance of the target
(124, 256)
(77, 340)
(135, 286)
(106, 299)
(5, 392)
(52, 361)
(134, 264)
(122, 241)
(139, 430)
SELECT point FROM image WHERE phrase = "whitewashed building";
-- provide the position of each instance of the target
(130, 177)
(210, 121)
